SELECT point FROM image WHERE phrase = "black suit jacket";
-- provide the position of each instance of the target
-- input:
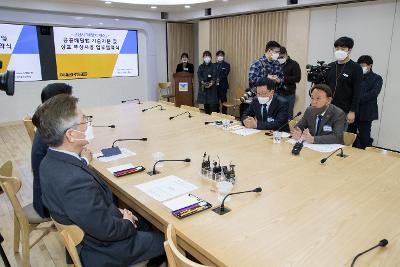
(222, 70)
(74, 194)
(276, 117)
(189, 66)
(370, 88)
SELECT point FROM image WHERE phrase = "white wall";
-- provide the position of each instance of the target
(370, 24)
(94, 92)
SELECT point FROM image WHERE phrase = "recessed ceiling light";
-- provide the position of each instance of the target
(108, 2)
(153, 7)
(225, 0)
(78, 18)
(161, 2)
(101, 23)
(89, 25)
(116, 19)
(187, 6)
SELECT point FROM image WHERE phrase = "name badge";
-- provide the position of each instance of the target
(209, 76)
(270, 119)
(327, 128)
(186, 69)
(345, 75)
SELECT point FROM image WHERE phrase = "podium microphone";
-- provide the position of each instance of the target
(109, 126)
(381, 243)
(221, 210)
(341, 154)
(132, 100)
(280, 128)
(145, 109)
(154, 172)
(129, 139)
(173, 117)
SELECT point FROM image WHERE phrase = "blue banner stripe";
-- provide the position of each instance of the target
(130, 45)
(27, 41)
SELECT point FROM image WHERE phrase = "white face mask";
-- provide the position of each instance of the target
(207, 60)
(275, 56)
(185, 60)
(365, 70)
(340, 54)
(89, 135)
(281, 60)
(220, 58)
(263, 100)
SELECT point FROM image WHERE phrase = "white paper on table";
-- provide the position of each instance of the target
(124, 153)
(323, 148)
(166, 188)
(245, 131)
(120, 168)
(181, 202)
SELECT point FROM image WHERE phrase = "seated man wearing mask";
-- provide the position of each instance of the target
(323, 122)
(267, 111)
(74, 194)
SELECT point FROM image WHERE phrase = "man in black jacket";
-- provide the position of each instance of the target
(292, 75)
(222, 69)
(368, 108)
(266, 111)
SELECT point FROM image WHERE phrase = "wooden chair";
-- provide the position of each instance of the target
(174, 256)
(189, 108)
(30, 128)
(223, 116)
(292, 123)
(349, 138)
(26, 219)
(383, 151)
(166, 91)
(72, 235)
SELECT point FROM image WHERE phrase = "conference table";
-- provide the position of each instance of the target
(308, 213)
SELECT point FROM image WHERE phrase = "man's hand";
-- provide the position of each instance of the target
(351, 117)
(250, 122)
(296, 133)
(128, 215)
(87, 154)
(307, 137)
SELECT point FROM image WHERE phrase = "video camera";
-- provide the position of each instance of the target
(7, 81)
(317, 74)
(250, 92)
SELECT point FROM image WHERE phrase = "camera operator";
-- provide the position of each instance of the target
(344, 77)
(292, 75)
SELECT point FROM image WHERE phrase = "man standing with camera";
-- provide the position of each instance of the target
(344, 77)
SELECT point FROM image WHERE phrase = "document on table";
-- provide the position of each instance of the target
(124, 153)
(181, 202)
(323, 148)
(120, 168)
(166, 188)
(245, 131)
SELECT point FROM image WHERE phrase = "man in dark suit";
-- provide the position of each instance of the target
(185, 65)
(267, 111)
(39, 149)
(222, 69)
(74, 194)
(322, 123)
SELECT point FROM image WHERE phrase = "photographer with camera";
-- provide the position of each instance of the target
(208, 95)
(267, 111)
(344, 77)
(292, 75)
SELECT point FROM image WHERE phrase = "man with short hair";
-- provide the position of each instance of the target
(222, 69)
(74, 194)
(267, 111)
(344, 78)
(322, 122)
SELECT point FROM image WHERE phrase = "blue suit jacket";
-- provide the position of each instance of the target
(276, 117)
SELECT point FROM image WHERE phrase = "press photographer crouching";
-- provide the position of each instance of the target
(7, 81)
(266, 111)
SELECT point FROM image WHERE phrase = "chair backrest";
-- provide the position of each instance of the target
(175, 257)
(292, 123)
(164, 86)
(72, 235)
(383, 151)
(30, 128)
(189, 108)
(349, 138)
(11, 185)
(223, 116)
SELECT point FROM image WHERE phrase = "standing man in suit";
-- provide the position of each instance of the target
(368, 109)
(266, 111)
(222, 69)
(323, 122)
(185, 65)
(74, 194)
(39, 148)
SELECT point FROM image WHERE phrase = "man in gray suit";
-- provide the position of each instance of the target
(74, 194)
(323, 122)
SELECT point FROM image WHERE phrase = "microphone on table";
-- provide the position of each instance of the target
(154, 172)
(381, 243)
(216, 122)
(109, 126)
(114, 150)
(145, 109)
(173, 117)
(221, 210)
(280, 128)
(341, 154)
(132, 100)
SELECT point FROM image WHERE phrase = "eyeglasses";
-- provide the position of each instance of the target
(88, 120)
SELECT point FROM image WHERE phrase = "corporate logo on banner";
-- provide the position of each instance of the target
(95, 53)
(19, 51)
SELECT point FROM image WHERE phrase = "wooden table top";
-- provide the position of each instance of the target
(308, 214)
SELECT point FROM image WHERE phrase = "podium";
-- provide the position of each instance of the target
(183, 82)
